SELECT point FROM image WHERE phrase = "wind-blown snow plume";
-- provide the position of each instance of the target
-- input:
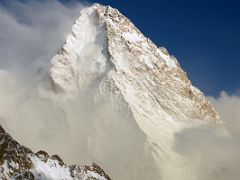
(33, 31)
(32, 34)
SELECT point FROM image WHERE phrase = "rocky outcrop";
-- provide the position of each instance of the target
(18, 162)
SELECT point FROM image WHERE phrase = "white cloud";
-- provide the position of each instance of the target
(31, 33)
(216, 156)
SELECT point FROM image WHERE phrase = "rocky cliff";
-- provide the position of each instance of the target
(19, 162)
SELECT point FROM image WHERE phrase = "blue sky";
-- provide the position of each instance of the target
(203, 35)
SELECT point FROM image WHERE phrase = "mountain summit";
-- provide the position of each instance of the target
(117, 99)
(106, 49)
(107, 59)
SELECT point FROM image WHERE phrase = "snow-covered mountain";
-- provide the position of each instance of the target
(107, 57)
(122, 99)
(19, 162)
(107, 49)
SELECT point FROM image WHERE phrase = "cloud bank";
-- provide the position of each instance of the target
(31, 32)
(216, 155)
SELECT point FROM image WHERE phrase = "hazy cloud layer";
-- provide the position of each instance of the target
(215, 153)
(37, 117)
(30, 35)
(32, 32)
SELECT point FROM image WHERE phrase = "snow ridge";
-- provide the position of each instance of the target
(107, 50)
(104, 41)
(19, 162)
(123, 99)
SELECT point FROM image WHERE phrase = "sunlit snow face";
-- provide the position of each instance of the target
(91, 59)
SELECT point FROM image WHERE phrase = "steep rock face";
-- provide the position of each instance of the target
(19, 162)
(105, 43)
(111, 96)
(107, 53)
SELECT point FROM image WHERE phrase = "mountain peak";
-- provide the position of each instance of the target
(107, 59)
(103, 42)
(109, 83)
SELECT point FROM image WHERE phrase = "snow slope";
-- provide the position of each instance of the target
(111, 96)
(107, 53)
(19, 162)
(104, 42)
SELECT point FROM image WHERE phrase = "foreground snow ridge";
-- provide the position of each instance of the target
(19, 162)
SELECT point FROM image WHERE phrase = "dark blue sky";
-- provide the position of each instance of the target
(203, 35)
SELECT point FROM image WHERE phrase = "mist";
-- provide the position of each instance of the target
(214, 150)
(32, 32)
(92, 128)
